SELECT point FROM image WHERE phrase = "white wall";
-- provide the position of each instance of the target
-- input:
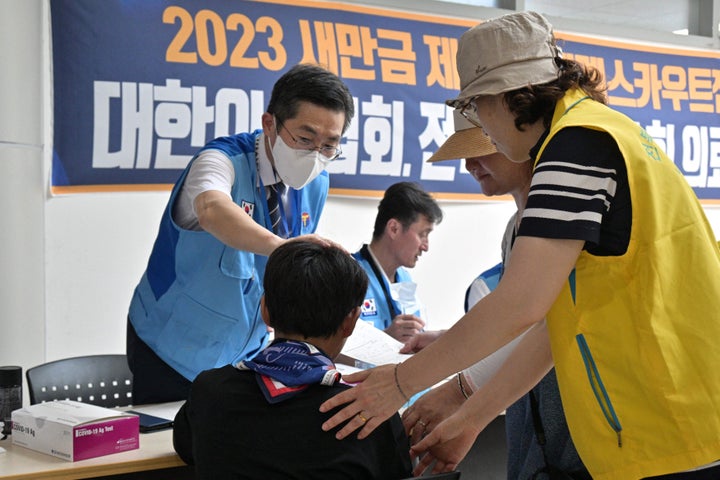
(22, 201)
(69, 263)
(97, 246)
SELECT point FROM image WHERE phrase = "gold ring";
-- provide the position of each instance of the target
(364, 420)
(424, 425)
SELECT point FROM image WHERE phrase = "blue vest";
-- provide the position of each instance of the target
(483, 284)
(379, 308)
(197, 304)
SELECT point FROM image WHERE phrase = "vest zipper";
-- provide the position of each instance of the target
(598, 388)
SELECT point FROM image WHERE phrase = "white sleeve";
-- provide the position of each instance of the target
(211, 170)
(478, 374)
(477, 290)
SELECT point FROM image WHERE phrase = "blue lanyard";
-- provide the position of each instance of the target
(392, 306)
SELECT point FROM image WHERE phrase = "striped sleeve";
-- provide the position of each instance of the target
(573, 186)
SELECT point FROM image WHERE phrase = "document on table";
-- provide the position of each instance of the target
(370, 347)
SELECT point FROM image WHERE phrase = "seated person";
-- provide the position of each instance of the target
(260, 418)
(406, 216)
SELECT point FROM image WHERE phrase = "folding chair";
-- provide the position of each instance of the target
(103, 380)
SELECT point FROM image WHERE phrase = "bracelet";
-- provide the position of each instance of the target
(397, 384)
(462, 388)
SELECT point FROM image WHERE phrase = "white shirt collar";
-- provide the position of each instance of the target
(265, 170)
(377, 263)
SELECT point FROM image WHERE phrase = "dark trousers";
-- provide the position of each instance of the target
(154, 381)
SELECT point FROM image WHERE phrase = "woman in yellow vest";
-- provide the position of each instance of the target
(613, 249)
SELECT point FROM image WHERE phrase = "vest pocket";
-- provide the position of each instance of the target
(598, 388)
(194, 335)
(237, 263)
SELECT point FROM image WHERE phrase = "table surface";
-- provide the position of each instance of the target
(155, 452)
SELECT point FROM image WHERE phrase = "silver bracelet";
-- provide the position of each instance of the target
(397, 383)
(462, 388)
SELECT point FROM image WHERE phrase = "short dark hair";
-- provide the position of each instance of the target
(534, 102)
(310, 288)
(405, 202)
(312, 83)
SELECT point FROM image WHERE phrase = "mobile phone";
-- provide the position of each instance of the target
(151, 423)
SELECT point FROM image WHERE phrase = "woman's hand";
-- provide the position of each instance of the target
(447, 444)
(367, 405)
(431, 409)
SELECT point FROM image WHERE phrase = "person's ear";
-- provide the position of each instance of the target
(268, 125)
(393, 227)
(349, 322)
(264, 312)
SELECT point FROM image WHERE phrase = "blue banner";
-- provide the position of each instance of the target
(140, 85)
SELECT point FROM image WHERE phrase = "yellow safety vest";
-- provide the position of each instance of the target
(636, 338)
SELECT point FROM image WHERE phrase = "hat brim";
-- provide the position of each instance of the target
(468, 143)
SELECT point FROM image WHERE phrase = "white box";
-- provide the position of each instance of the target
(73, 430)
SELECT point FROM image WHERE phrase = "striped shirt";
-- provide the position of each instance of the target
(580, 191)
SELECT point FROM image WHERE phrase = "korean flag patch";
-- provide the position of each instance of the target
(248, 207)
(368, 307)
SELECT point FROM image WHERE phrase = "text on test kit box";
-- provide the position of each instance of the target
(73, 430)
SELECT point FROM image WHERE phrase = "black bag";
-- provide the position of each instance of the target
(552, 472)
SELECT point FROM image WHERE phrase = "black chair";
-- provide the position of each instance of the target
(438, 476)
(103, 380)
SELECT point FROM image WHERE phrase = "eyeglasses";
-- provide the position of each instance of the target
(330, 152)
(470, 112)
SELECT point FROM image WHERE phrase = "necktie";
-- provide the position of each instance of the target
(275, 193)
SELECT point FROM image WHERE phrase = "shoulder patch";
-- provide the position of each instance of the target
(248, 207)
(368, 307)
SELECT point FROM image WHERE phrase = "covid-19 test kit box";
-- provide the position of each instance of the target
(73, 430)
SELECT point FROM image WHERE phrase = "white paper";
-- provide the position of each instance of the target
(346, 369)
(372, 346)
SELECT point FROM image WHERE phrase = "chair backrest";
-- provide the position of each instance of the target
(455, 475)
(103, 380)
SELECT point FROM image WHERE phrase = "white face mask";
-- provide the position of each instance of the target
(296, 168)
(404, 294)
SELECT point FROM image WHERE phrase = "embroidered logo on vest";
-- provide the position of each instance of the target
(248, 207)
(368, 307)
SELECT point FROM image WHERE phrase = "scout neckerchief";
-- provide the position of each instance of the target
(288, 367)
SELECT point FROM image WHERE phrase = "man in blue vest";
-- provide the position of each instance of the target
(240, 197)
(406, 216)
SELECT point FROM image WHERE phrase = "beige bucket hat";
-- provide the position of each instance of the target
(504, 54)
(467, 141)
